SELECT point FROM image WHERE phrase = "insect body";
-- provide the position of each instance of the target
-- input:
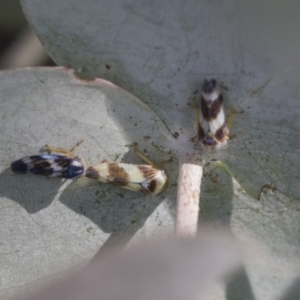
(139, 178)
(211, 123)
(51, 165)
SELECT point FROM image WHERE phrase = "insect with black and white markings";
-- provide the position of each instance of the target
(211, 123)
(138, 178)
(63, 165)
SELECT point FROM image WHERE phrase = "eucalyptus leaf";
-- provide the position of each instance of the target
(41, 216)
(160, 52)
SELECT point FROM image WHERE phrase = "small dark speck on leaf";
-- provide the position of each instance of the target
(135, 124)
(146, 137)
(108, 67)
(176, 134)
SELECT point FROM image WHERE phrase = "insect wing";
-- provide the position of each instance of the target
(212, 131)
(139, 178)
(218, 122)
(49, 165)
(155, 181)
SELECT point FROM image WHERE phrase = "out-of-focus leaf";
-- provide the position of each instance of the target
(168, 269)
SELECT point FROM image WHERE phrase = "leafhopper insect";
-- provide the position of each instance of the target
(63, 165)
(138, 178)
(210, 118)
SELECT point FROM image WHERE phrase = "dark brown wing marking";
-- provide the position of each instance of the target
(117, 175)
(211, 109)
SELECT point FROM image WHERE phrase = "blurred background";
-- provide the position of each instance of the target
(19, 46)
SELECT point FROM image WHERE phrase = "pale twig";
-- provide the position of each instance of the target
(188, 197)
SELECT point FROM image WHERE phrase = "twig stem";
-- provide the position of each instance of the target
(188, 198)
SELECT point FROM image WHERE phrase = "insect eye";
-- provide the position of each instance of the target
(209, 141)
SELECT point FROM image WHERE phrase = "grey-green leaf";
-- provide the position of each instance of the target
(161, 51)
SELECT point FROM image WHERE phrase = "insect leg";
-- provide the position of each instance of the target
(76, 146)
(142, 156)
(147, 160)
(63, 151)
(231, 117)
